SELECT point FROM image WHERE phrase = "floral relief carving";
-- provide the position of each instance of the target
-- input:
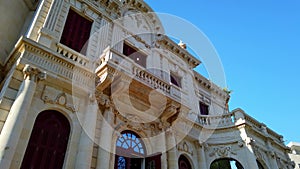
(222, 151)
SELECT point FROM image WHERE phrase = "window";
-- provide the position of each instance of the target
(48, 142)
(76, 32)
(226, 163)
(137, 56)
(203, 109)
(175, 79)
(131, 153)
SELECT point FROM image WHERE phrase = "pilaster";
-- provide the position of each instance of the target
(13, 126)
(105, 141)
(201, 155)
(172, 153)
(85, 148)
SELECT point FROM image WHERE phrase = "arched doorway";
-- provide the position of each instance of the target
(226, 163)
(183, 163)
(48, 142)
(131, 153)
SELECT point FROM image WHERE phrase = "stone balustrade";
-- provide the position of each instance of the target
(124, 64)
(72, 55)
(235, 118)
(213, 121)
(150, 79)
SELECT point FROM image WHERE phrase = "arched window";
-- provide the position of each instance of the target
(183, 163)
(226, 163)
(130, 151)
(48, 142)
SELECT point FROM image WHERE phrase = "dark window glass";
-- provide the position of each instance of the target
(204, 109)
(48, 142)
(175, 79)
(226, 164)
(76, 32)
(137, 56)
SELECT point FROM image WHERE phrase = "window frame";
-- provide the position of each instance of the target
(82, 45)
(135, 54)
(175, 79)
(202, 104)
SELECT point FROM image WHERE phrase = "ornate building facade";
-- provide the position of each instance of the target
(295, 153)
(97, 84)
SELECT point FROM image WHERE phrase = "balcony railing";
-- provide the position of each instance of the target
(236, 118)
(224, 120)
(72, 55)
(125, 64)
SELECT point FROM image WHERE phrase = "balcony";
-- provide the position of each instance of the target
(234, 119)
(119, 74)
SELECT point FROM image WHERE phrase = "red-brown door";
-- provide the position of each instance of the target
(153, 162)
(184, 163)
(48, 142)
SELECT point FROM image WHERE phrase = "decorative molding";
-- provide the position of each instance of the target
(259, 152)
(103, 99)
(34, 73)
(185, 147)
(53, 96)
(222, 151)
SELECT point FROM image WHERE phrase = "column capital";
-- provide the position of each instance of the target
(33, 73)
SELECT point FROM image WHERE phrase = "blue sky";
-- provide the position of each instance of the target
(258, 43)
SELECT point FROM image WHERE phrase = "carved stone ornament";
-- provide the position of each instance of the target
(53, 96)
(222, 151)
(33, 73)
(259, 153)
(154, 127)
(103, 99)
(185, 147)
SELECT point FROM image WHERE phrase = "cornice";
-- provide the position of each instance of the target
(182, 53)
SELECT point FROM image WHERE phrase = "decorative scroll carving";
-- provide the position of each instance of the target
(222, 151)
(128, 122)
(53, 96)
(103, 99)
(33, 73)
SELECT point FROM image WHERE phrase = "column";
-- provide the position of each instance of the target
(201, 156)
(171, 150)
(13, 126)
(105, 143)
(85, 148)
(249, 153)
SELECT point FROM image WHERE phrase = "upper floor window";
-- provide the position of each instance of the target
(137, 56)
(204, 109)
(76, 32)
(175, 79)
